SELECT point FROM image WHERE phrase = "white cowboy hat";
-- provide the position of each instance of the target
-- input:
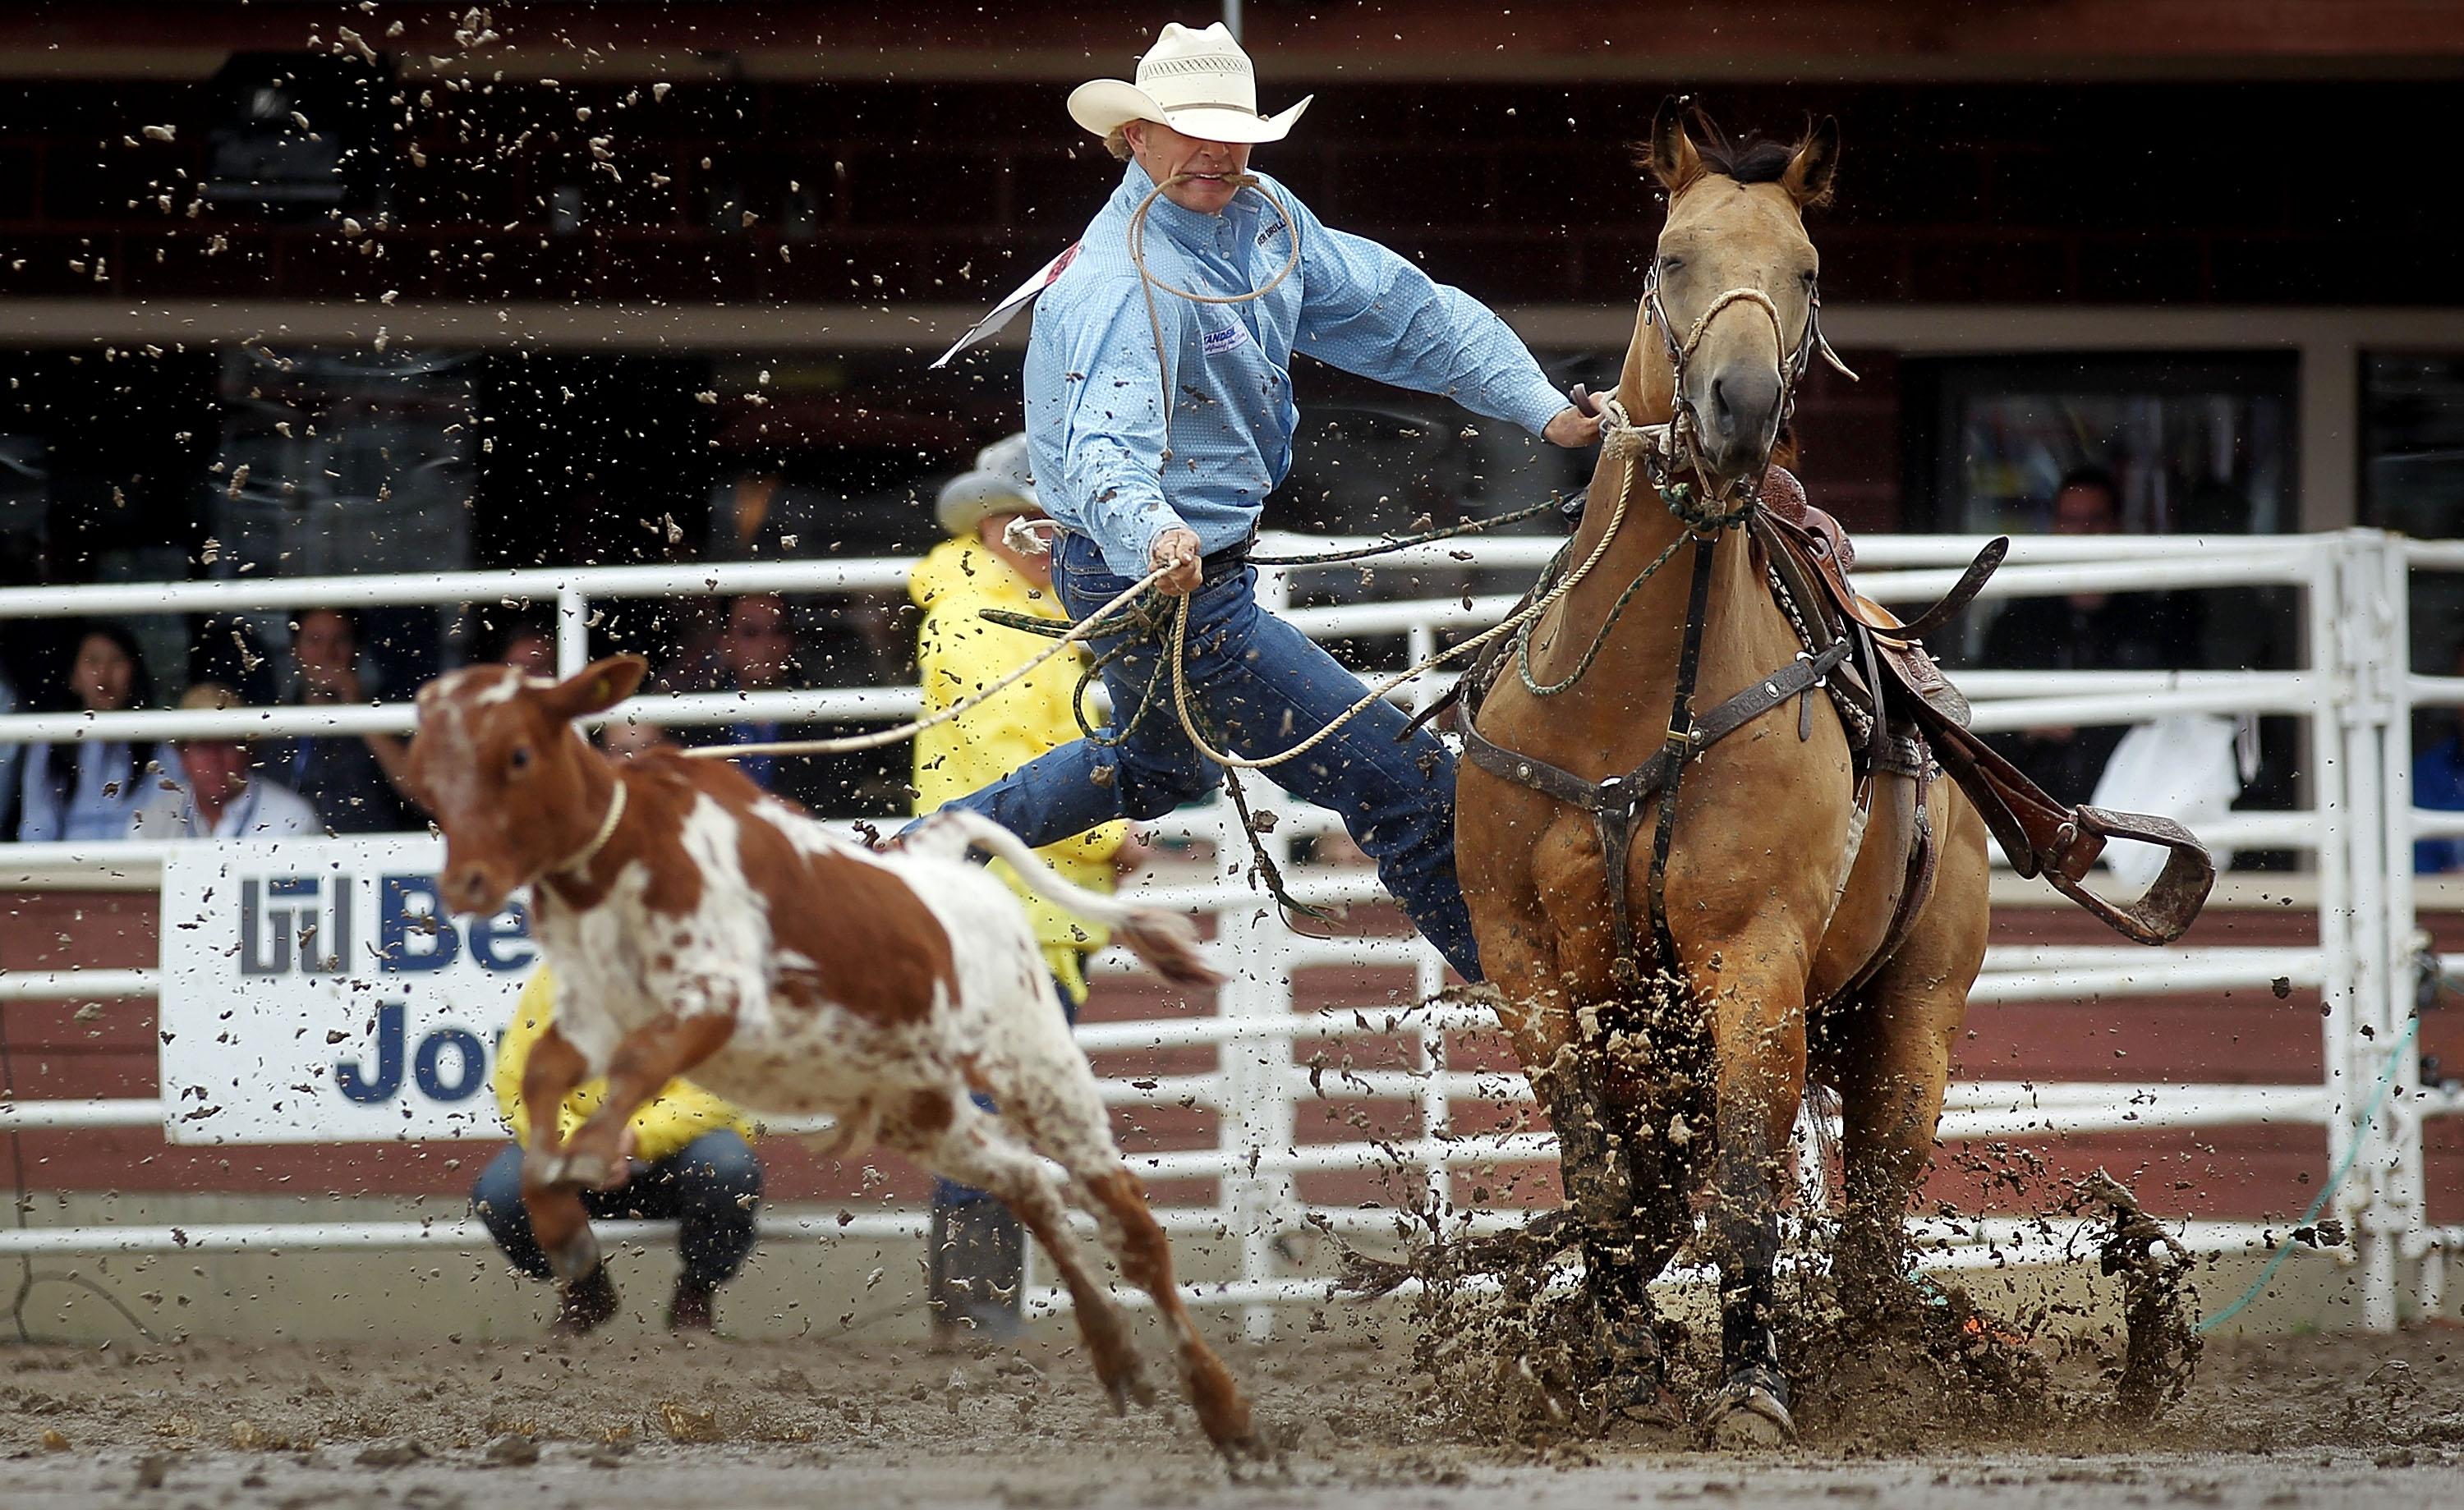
(1199, 84)
(999, 484)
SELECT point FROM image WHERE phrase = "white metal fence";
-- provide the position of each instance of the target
(2354, 695)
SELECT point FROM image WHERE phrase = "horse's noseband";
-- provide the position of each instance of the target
(1685, 455)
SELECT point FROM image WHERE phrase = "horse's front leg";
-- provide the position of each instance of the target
(1758, 1037)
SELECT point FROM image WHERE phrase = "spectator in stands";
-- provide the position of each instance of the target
(218, 795)
(525, 641)
(691, 1165)
(757, 654)
(530, 650)
(85, 791)
(2438, 783)
(2084, 632)
(626, 738)
(977, 1252)
(357, 783)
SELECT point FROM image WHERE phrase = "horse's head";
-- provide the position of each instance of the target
(1731, 290)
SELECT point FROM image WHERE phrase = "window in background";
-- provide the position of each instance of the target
(2413, 481)
(2191, 445)
(2194, 445)
(338, 463)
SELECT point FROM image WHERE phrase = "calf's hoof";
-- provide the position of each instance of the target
(1126, 1383)
(576, 1262)
(587, 1304)
(1749, 1412)
(593, 1171)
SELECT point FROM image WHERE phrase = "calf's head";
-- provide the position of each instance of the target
(511, 782)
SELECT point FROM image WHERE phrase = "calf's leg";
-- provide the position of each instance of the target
(1138, 1244)
(1047, 1090)
(558, 1223)
(949, 1135)
(645, 1061)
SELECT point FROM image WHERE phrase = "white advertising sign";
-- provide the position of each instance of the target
(315, 991)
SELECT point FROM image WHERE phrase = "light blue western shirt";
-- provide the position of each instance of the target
(1096, 418)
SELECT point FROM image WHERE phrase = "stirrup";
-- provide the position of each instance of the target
(2169, 907)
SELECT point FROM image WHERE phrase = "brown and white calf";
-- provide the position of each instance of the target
(699, 925)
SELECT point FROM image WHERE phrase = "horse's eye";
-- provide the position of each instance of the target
(521, 757)
(1672, 263)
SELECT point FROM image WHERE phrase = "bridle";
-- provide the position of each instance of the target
(1683, 454)
(1704, 514)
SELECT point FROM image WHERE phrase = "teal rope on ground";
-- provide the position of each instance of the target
(2284, 1250)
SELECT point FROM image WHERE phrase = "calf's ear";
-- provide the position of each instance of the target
(596, 688)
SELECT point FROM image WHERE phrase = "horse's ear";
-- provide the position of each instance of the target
(596, 688)
(1808, 179)
(1670, 157)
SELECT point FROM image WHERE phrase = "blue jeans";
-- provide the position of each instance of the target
(711, 1188)
(1257, 687)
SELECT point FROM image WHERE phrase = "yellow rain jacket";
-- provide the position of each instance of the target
(679, 1113)
(956, 655)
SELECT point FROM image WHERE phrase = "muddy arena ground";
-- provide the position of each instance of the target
(2300, 1418)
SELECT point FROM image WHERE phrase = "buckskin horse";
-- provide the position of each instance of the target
(1699, 824)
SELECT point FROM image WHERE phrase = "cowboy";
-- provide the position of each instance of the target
(978, 1253)
(1137, 486)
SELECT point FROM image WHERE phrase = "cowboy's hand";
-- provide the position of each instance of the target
(1572, 429)
(1178, 550)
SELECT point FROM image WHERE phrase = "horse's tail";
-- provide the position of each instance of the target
(1167, 941)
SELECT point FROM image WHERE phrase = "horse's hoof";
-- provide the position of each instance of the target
(1748, 1415)
(1654, 1410)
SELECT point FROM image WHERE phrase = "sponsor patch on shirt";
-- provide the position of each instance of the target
(1229, 339)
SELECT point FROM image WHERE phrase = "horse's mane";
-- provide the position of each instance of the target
(1757, 158)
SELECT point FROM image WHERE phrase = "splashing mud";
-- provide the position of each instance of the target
(1508, 1345)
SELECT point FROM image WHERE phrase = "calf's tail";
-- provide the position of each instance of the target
(1167, 941)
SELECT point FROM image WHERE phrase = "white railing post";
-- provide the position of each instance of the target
(2331, 652)
(2399, 1191)
(2363, 721)
(1428, 979)
(1258, 1104)
(572, 632)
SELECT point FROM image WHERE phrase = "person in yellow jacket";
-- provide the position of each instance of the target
(691, 1163)
(978, 1253)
